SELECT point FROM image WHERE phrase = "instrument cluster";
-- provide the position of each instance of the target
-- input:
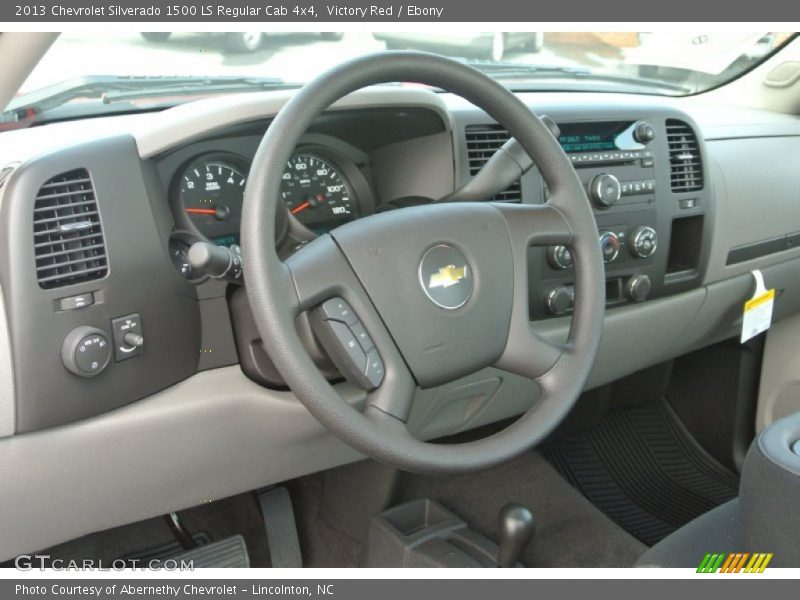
(320, 188)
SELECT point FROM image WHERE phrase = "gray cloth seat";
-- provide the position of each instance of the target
(718, 530)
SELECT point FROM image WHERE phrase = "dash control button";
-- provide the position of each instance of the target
(337, 309)
(123, 330)
(79, 301)
(85, 351)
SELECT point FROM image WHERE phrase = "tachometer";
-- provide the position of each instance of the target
(210, 197)
(317, 193)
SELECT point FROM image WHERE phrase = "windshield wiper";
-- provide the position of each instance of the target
(107, 89)
(507, 71)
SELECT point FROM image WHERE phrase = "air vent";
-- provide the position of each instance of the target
(686, 171)
(482, 142)
(67, 235)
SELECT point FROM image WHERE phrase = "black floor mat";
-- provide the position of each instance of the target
(642, 469)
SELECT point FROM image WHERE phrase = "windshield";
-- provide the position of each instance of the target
(137, 68)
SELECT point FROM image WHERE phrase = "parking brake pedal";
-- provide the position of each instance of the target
(284, 546)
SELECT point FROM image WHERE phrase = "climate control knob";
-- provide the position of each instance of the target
(643, 241)
(559, 257)
(609, 246)
(637, 288)
(605, 190)
(559, 300)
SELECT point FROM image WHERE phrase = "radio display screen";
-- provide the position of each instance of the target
(591, 137)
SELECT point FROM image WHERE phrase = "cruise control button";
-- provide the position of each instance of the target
(338, 310)
(350, 345)
(374, 371)
(362, 336)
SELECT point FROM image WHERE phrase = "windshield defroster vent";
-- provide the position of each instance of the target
(686, 170)
(482, 142)
(67, 234)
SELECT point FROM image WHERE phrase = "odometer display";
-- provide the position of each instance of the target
(211, 194)
(316, 193)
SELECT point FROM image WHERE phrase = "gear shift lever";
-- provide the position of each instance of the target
(516, 532)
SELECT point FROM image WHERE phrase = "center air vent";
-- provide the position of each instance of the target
(67, 235)
(686, 171)
(482, 142)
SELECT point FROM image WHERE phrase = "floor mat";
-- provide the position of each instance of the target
(237, 515)
(642, 469)
(570, 532)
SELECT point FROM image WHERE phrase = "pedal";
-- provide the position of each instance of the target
(284, 546)
(228, 553)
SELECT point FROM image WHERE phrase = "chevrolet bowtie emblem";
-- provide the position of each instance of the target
(447, 276)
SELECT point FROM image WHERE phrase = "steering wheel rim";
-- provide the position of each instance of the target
(278, 291)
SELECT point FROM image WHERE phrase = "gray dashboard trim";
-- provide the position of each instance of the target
(187, 122)
(208, 437)
(7, 404)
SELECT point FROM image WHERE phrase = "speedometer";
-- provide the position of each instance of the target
(317, 193)
(210, 195)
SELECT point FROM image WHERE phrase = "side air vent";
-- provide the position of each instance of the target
(482, 142)
(67, 235)
(686, 171)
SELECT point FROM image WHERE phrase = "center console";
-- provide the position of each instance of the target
(644, 179)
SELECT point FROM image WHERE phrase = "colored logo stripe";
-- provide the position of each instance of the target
(734, 562)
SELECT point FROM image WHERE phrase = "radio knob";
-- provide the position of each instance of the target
(644, 241)
(559, 300)
(637, 288)
(605, 190)
(643, 132)
(559, 257)
(609, 246)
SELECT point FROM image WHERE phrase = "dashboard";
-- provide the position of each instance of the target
(97, 217)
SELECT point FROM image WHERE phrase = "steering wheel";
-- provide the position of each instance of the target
(441, 290)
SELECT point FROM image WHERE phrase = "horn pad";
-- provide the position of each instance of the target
(441, 278)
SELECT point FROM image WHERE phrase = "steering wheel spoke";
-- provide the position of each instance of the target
(527, 353)
(349, 327)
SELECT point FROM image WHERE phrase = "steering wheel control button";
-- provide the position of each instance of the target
(362, 336)
(348, 342)
(86, 351)
(445, 277)
(375, 369)
(338, 310)
(559, 257)
(79, 301)
(609, 246)
(127, 335)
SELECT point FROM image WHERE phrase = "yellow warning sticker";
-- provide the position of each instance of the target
(758, 310)
(767, 296)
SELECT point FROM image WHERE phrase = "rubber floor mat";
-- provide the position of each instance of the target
(642, 468)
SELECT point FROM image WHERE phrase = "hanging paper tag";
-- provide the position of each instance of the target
(758, 310)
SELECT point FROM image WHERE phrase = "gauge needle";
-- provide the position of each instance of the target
(201, 211)
(301, 207)
(310, 203)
